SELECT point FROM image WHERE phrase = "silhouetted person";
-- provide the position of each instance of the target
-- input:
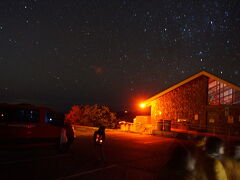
(209, 167)
(237, 161)
(237, 151)
(99, 138)
(232, 164)
(201, 142)
(70, 133)
(199, 148)
(180, 166)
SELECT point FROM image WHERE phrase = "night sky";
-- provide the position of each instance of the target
(63, 52)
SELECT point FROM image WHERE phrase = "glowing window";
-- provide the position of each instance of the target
(220, 93)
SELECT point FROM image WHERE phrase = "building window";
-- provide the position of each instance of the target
(220, 93)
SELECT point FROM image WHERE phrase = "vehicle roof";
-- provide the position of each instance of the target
(24, 106)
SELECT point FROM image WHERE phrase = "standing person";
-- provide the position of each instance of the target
(199, 148)
(181, 166)
(237, 161)
(210, 167)
(232, 165)
(237, 151)
(201, 143)
(70, 132)
(99, 138)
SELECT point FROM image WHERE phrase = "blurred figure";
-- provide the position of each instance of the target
(237, 161)
(70, 132)
(180, 166)
(67, 137)
(232, 165)
(99, 138)
(201, 142)
(209, 166)
(237, 151)
(199, 148)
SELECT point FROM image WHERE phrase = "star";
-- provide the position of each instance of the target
(122, 46)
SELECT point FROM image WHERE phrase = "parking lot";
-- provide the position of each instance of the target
(128, 156)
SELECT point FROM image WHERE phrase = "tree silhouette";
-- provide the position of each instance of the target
(95, 115)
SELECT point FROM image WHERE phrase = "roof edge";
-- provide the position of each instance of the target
(204, 73)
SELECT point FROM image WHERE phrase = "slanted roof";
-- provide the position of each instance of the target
(202, 73)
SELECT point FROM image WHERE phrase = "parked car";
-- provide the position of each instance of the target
(28, 124)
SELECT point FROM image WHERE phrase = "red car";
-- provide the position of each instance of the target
(28, 124)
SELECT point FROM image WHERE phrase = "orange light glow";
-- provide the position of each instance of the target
(142, 105)
(122, 122)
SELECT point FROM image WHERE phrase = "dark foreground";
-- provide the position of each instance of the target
(128, 156)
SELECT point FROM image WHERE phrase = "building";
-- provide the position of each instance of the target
(202, 102)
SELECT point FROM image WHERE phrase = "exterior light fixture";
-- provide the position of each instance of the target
(142, 105)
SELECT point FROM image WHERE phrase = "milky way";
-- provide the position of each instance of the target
(59, 53)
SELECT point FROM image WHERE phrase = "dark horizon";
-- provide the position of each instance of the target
(65, 107)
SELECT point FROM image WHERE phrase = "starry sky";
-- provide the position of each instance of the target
(112, 52)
